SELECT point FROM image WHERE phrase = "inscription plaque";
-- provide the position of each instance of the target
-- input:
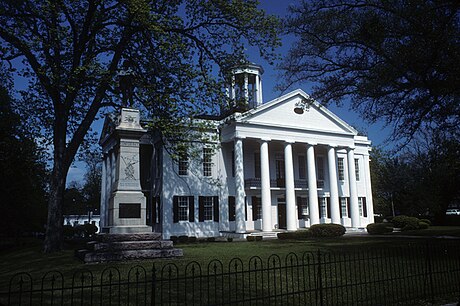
(130, 211)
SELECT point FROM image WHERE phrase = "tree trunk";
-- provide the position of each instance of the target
(53, 236)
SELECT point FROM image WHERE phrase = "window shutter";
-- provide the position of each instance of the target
(215, 206)
(231, 208)
(348, 208)
(340, 207)
(319, 208)
(175, 209)
(328, 206)
(191, 209)
(200, 209)
(364, 207)
(254, 208)
(299, 208)
(245, 208)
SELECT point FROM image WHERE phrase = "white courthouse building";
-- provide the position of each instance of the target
(285, 164)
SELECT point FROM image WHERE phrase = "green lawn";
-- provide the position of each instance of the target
(29, 258)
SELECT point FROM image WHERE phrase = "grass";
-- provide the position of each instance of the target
(29, 257)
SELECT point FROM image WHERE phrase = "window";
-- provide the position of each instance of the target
(231, 208)
(357, 169)
(183, 164)
(302, 206)
(362, 207)
(341, 169)
(183, 209)
(320, 168)
(279, 158)
(256, 208)
(207, 162)
(208, 209)
(343, 207)
(322, 207)
(302, 167)
(257, 164)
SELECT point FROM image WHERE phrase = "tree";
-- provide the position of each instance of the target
(396, 60)
(22, 175)
(420, 181)
(77, 55)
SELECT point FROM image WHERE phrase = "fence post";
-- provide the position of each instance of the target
(429, 271)
(320, 279)
(153, 287)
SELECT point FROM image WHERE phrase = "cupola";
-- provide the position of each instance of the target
(245, 88)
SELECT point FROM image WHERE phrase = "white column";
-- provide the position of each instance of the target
(239, 187)
(312, 189)
(335, 208)
(233, 88)
(354, 209)
(260, 91)
(257, 95)
(265, 187)
(103, 206)
(290, 193)
(246, 87)
(369, 202)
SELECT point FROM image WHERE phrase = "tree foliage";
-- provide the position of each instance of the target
(74, 52)
(22, 175)
(396, 60)
(421, 181)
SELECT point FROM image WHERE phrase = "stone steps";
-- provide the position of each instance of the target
(93, 257)
(119, 247)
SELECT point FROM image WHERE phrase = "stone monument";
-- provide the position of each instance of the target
(123, 205)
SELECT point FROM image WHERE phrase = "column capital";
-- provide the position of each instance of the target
(332, 146)
(239, 136)
(350, 148)
(311, 144)
(289, 142)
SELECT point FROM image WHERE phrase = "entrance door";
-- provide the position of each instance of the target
(282, 214)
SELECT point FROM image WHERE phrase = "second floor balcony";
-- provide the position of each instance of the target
(255, 183)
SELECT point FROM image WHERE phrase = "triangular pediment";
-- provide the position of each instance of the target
(282, 112)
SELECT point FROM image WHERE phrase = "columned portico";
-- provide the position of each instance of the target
(239, 186)
(265, 187)
(290, 193)
(354, 209)
(312, 187)
(104, 184)
(334, 199)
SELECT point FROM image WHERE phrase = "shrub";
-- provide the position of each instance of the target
(259, 238)
(68, 231)
(250, 238)
(379, 228)
(402, 221)
(326, 230)
(426, 221)
(410, 227)
(423, 225)
(90, 229)
(192, 239)
(297, 235)
(210, 239)
(229, 239)
(174, 239)
(182, 239)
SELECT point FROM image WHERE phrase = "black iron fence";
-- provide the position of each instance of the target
(389, 276)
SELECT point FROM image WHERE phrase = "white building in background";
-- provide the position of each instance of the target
(285, 164)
